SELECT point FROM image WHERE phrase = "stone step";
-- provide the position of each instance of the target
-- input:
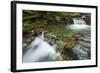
(81, 52)
(88, 40)
(85, 44)
(85, 49)
(87, 36)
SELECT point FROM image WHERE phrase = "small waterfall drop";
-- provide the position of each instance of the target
(78, 24)
(79, 21)
(39, 51)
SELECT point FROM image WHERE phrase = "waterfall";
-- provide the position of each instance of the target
(42, 36)
(78, 24)
(39, 51)
(79, 21)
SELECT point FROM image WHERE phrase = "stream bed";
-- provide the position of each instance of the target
(73, 43)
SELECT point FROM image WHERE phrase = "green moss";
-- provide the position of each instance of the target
(28, 25)
(39, 24)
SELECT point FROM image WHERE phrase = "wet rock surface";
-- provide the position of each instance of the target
(77, 47)
(72, 48)
(83, 47)
(63, 46)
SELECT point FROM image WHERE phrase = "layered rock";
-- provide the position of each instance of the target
(83, 47)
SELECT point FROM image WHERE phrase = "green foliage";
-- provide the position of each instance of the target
(29, 25)
(39, 24)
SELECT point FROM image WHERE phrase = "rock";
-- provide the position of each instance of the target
(70, 42)
(50, 35)
(87, 36)
(28, 36)
(51, 39)
(78, 50)
(83, 47)
(61, 44)
(64, 52)
(77, 35)
(88, 19)
(84, 39)
(68, 54)
(45, 31)
(28, 39)
(85, 44)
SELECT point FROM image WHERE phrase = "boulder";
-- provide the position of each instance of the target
(70, 42)
(61, 44)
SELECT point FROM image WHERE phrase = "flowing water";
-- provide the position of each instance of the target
(78, 24)
(39, 51)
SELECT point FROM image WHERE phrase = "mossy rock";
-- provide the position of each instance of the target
(28, 39)
(61, 44)
(70, 42)
(77, 35)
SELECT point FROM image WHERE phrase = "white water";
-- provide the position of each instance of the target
(39, 50)
(78, 24)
